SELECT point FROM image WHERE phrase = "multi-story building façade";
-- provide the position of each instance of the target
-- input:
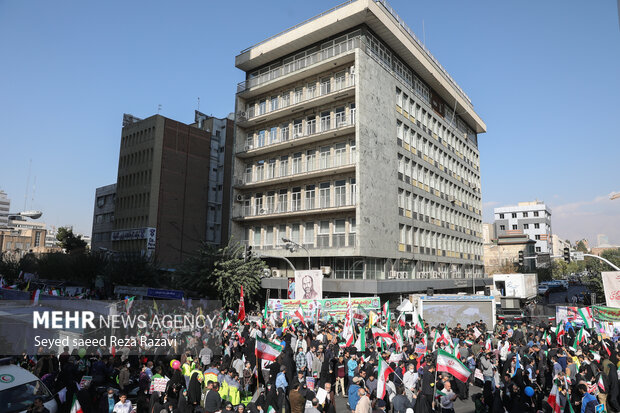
(353, 141)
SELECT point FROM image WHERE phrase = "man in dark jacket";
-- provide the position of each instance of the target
(213, 401)
(401, 403)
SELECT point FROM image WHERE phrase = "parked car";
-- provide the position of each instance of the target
(19, 388)
(542, 289)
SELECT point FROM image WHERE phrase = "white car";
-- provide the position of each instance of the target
(542, 288)
(19, 388)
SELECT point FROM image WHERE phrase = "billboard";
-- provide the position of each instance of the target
(336, 307)
(451, 310)
(309, 285)
(574, 315)
(611, 285)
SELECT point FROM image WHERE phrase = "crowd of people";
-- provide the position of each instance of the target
(523, 367)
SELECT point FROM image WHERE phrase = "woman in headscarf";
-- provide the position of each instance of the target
(194, 391)
(183, 406)
(154, 403)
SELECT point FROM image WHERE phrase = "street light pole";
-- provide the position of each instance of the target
(288, 241)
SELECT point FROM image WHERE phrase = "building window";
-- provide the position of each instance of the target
(536, 226)
(269, 237)
(311, 125)
(325, 85)
(309, 234)
(310, 196)
(340, 193)
(310, 90)
(283, 165)
(525, 215)
(270, 205)
(341, 117)
(322, 238)
(281, 234)
(310, 160)
(501, 216)
(526, 226)
(274, 103)
(282, 200)
(296, 199)
(538, 249)
(324, 191)
(295, 233)
(256, 241)
(101, 201)
(324, 157)
(535, 213)
(37, 239)
(514, 227)
(284, 132)
(262, 106)
(296, 163)
(514, 215)
(339, 236)
(340, 154)
(502, 227)
(353, 190)
(352, 229)
(326, 121)
(537, 237)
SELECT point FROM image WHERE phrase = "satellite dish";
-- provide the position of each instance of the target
(31, 214)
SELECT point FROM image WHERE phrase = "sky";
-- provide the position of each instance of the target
(544, 76)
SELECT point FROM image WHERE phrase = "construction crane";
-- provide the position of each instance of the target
(614, 195)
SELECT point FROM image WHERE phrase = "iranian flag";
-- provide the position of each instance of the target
(387, 314)
(582, 335)
(597, 356)
(377, 333)
(299, 313)
(445, 337)
(456, 353)
(487, 344)
(267, 350)
(34, 298)
(586, 316)
(384, 371)
(227, 324)
(401, 320)
(400, 338)
(601, 383)
(418, 323)
(75, 406)
(241, 312)
(265, 311)
(360, 343)
(606, 347)
(546, 338)
(554, 399)
(447, 363)
(559, 332)
(347, 332)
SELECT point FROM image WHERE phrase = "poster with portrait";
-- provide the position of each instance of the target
(309, 285)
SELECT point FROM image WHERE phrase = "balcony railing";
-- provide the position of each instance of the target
(298, 132)
(300, 64)
(252, 211)
(303, 170)
(284, 102)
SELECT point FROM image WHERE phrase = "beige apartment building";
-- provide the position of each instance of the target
(353, 141)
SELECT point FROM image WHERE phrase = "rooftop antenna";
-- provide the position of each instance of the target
(27, 183)
(34, 190)
(158, 108)
(198, 104)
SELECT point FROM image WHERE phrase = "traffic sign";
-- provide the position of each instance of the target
(577, 256)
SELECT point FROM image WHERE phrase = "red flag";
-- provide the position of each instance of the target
(241, 315)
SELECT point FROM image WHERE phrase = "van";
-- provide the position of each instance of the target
(19, 388)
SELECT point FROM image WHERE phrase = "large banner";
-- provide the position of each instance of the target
(336, 307)
(574, 315)
(606, 314)
(309, 285)
(611, 285)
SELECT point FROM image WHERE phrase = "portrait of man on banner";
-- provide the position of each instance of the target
(309, 285)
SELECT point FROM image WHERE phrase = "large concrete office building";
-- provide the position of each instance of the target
(530, 218)
(103, 218)
(5, 207)
(173, 189)
(347, 142)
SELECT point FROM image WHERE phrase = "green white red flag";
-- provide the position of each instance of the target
(384, 371)
(447, 363)
(75, 406)
(554, 399)
(360, 343)
(267, 350)
(299, 313)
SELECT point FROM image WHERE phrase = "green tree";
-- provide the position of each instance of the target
(220, 273)
(581, 246)
(69, 241)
